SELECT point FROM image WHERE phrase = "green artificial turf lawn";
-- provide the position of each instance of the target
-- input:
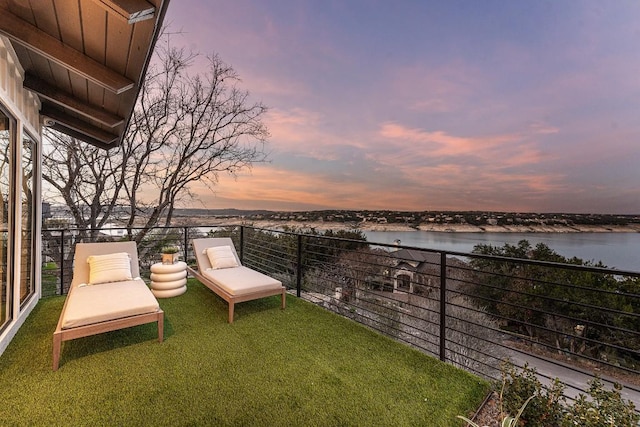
(303, 366)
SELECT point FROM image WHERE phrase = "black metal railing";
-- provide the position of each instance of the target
(471, 310)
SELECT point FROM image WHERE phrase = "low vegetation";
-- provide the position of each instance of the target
(524, 401)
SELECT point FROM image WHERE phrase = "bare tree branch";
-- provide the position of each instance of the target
(186, 129)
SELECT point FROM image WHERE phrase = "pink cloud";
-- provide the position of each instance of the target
(439, 163)
(539, 127)
(403, 173)
(303, 132)
(271, 187)
(445, 186)
(431, 88)
(268, 86)
(453, 178)
(442, 144)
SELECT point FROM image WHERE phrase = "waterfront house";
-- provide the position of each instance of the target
(415, 271)
(75, 67)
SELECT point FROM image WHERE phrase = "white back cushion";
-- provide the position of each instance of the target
(109, 268)
(221, 257)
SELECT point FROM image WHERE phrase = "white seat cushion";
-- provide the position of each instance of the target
(108, 301)
(241, 280)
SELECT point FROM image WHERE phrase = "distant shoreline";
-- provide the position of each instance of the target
(440, 228)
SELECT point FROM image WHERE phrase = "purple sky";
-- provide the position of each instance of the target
(425, 105)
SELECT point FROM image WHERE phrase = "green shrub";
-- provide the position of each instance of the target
(604, 408)
(547, 407)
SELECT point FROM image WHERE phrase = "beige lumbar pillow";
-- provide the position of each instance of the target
(109, 268)
(221, 257)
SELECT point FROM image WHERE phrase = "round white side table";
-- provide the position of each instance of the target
(169, 280)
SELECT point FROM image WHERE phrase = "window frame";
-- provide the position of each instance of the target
(11, 226)
(35, 185)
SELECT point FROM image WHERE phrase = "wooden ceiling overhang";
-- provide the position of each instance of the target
(85, 59)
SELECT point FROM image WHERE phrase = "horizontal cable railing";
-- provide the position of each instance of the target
(468, 309)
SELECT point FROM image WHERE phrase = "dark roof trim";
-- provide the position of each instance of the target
(67, 100)
(154, 39)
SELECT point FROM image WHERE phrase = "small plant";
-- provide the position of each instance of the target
(508, 420)
(169, 254)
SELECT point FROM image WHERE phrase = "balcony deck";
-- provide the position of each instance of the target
(301, 366)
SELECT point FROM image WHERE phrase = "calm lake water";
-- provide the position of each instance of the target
(616, 250)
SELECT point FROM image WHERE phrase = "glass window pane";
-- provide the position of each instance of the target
(5, 193)
(27, 284)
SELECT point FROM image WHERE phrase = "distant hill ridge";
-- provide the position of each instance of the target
(219, 212)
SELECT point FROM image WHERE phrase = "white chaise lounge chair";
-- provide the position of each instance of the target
(106, 294)
(220, 270)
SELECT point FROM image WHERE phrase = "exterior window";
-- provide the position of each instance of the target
(27, 284)
(404, 282)
(6, 136)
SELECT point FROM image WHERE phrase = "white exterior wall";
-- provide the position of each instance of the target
(25, 108)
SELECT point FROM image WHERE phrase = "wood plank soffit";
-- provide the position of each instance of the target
(66, 100)
(73, 126)
(38, 41)
(130, 10)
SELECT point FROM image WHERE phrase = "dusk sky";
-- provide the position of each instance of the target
(530, 106)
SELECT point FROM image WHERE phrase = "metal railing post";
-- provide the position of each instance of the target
(186, 243)
(62, 262)
(443, 305)
(242, 244)
(299, 267)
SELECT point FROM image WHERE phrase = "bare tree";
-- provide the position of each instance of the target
(187, 128)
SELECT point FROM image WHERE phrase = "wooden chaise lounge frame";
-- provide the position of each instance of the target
(81, 275)
(199, 245)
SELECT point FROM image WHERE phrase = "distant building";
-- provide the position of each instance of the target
(415, 271)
